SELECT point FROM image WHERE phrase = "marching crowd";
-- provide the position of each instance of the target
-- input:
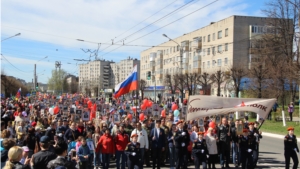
(32, 139)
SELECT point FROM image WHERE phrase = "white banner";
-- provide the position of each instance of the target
(202, 106)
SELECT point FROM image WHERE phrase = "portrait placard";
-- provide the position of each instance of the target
(117, 118)
(201, 122)
(85, 116)
(77, 118)
(72, 111)
(239, 129)
(201, 128)
(156, 115)
(78, 112)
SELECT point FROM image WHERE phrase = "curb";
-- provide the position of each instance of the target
(276, 136)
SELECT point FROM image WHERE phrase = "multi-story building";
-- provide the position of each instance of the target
(122, 69)
(95, 76)
(217, 46)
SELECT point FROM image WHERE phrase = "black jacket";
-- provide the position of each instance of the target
(60, 161)
(42, 158)
(290, 144)
(179, 139)
(71, 135)
(18, 165)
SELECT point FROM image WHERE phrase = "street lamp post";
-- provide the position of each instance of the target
(18, 34)
(181, 52)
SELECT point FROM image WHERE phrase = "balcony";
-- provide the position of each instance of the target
(152, 56)
(185, 46)
(197, 43)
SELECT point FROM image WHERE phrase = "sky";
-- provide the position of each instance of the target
(64, 30)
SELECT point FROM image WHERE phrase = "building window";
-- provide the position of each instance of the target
(213, 50)
(219, 62)
(213, 38)
(208, 38)
(213, 63)
(219, 34)
(208, 51)
(203, 52)
(220, 49)
(178, 48)
(203, 65)
(226, 32)
(203, 38)
(226, 61)
(226, 46)
(208, 64)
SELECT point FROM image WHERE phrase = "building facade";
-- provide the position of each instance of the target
(94, 77)
(217, 46)
(122, 69)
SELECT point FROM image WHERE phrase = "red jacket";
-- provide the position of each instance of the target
(106, 144)
(121, 141)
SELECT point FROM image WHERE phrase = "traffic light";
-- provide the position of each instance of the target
(149, 75)
(37, 86)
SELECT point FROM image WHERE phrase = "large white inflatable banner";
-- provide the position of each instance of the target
(202, 106)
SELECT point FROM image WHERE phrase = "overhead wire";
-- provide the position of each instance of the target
(160, 19)
(163, 26)
(14, 65)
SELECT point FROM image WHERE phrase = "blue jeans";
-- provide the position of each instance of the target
(120, 155)
(105, 161)
(97, 159)
(172, 156)
(235, 154)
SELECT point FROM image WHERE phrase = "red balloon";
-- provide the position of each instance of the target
(56, 110)
(163, 113)
(145, 102)
(174, 107)
(143, 107)
(212, 124)
(150, 104)
(142, 117)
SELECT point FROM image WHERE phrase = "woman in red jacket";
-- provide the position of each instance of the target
(106, 144)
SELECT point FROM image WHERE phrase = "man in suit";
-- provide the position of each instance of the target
(182, 141)
(157, 136)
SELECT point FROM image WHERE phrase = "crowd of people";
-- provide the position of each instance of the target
(33, 137)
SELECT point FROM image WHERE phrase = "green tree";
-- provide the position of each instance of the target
(57, 82)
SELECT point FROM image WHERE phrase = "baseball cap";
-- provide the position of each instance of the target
(25, 148)
(44, 139)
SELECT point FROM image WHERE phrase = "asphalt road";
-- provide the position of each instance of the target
(271, 155)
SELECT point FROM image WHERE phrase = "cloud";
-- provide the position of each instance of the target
(100, 20)
(50, 25)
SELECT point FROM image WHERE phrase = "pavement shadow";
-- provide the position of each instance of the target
(268, 153)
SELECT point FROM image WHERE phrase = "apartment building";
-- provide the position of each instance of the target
(122, 69)
(217, 46)
(95, 76)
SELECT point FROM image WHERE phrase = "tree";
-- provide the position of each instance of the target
(236, 73)
(278, 42)
(218, 77)
(180, 84)
(205, 80)
(191, 81)
(57, 81)
(10, 85)
(142, 86)
(73, 87)
(170, 82)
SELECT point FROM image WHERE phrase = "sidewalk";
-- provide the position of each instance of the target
(276, 136)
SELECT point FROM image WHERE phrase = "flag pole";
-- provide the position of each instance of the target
(136, 99)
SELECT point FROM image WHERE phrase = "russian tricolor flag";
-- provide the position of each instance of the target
(18, 93)
(129, 84)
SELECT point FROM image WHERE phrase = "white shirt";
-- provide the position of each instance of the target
(158, 130)
(142, 137)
